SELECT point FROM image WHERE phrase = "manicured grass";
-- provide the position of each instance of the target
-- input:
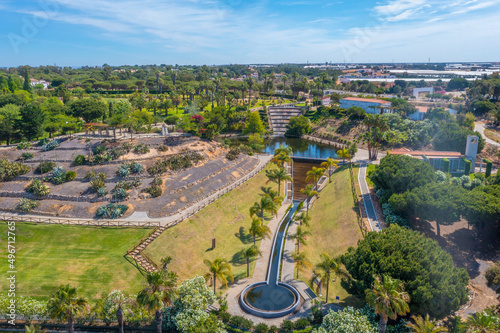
(227, 220)
(334, 229)
(89, 258)
(369, 168)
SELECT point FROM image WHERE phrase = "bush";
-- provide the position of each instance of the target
(57, 176)
(101, 191)
(111, 211)
(233, 153)
(261, 328)
(42, 142)
(141, 148)
(26, 205)
(51, 145)
(96, 183)
(163, 148)
(241, 322)
(120, 194)
(123, 170)
(286, 326)
(26, 156)
(23, 145)
(36, 187)
(155, 191)
(45, 167)
(301, 324)
(273, 329)
(157, 181)
(225, 317)
(70, 175)
(10, 170)
(493, 275)
(79, 160)
(489, 166)
(441, 176)
(175, 162)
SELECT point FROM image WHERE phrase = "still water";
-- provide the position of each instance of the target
(302, 148)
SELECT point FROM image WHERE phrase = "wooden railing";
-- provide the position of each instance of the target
(82, 222)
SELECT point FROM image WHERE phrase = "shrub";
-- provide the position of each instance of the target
(26, 156)
(99, 150)
(241, 322)
(120, 194)
(70, 175)
(391, 217)
(489, 166)
(493, 274)
(26, 205)
(79, 160)
(141, 148)
(225, 317)
(96, 183)
(261, 328)
(446, 165)
(441, 176)
(45, 167)
(123, 170)
(467, 167)
(101, 191)
(163, 148)
(175, 162)
(273, 329)
(23, 145)
(286, 326)
(155, 191)
(127, 147)
(36, 187)
(51, 145)
(111, 211)
(10, 170)
(42, 142)
(301, 324)
(233, 154)
(157, 181)
(57, 176)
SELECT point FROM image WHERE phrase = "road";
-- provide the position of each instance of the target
(367, 199)
(480, 127)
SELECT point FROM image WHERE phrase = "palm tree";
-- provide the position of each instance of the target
(301, 262)
(271, 194)
(165, 261)
(159, 290)
(324, 76)
(251, 252)
(259, 229)
(34, 329)
(325, 269)
(315, 174)
(482, 322)
(388, 298)
(65, 304)
(300, 237)
(343, 154)
(425, 325)
(329, 164)
(277, 176)
(304, 219)
(218, 269)
(309, 193)
(285, 79)
(281, 158)
(265, 204)
(295, 76)
(282, 149)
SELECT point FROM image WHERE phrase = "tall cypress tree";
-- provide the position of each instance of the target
(27, 81)
(31, 122)
(11, 84)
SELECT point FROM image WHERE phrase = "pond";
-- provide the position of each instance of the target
(302, 148)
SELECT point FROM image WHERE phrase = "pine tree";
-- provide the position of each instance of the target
(27, 81)
(31, 122)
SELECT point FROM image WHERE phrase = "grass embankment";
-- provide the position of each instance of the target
(334, 229)
(492, 135)
(89, 258)
(227, 220)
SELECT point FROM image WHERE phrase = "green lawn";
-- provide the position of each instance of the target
(369, 168)
(227, 220)
(334, 229)
(90, 258)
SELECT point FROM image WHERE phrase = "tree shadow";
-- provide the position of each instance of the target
(243, 236)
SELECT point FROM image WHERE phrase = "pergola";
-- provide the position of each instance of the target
(92, 127)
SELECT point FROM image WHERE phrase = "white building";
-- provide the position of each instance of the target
(373, 106)
(326, 101)
(42, 82)
(418, 91)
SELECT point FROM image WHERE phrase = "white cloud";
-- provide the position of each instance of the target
(475, 7)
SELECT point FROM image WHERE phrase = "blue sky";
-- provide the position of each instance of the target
(94, 32)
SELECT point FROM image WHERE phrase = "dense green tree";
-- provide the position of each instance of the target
(480, 108)
(400, 173)
(453, 137)
(458, 83)
(88, 109)
(9, 115)
(254, 124)
(347, 320)
(434, 284)
(31, 122)
(10, 99)
(298, 126)
(27, 81)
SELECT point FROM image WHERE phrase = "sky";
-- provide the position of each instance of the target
(213, 32)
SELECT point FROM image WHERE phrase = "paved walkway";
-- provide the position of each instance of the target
(480, 127)
(367, 199)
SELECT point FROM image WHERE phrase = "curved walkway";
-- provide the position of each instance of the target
(480, 127)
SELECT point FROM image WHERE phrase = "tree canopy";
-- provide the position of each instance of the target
(434, 284)
(298, 126)
(88, 109)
